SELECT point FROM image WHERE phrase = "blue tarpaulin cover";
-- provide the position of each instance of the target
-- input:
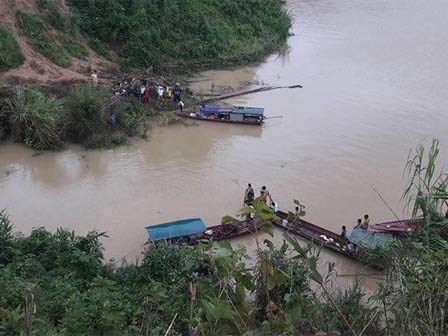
(214, 109)
(248, 110)
(369, 239)
(176, 229)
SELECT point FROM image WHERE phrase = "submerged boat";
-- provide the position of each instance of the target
(314, 233)
(228, 114)
(193, 231)
(359, 241)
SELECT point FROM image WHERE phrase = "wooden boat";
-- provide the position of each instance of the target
(397, 228)
(316, 234)
(227, 114)
(193, 231)
(359, 241)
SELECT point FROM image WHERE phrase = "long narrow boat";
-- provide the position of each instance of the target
(359, 241)
(227, 114)
(193, 231)
(316, 234)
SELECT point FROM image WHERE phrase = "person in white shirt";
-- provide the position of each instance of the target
(366, 222)
(160, 92)
(142, 92)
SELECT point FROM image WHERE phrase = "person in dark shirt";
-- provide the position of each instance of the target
(344, 232)
(249, 195)
(177, 91)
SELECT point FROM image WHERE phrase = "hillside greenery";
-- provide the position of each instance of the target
(212, 289)
(153, 33)
(11, 55)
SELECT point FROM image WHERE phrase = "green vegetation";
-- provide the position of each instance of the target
(41, 39)
(212, 290)
(45, 122)
(10, 54)
(75, 49)
(35, 119)
(152, 33)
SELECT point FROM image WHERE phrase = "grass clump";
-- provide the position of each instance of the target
(11, 55)
(41, 39)
(35, 119)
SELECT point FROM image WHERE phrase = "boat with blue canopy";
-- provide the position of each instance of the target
(359, 241)
(228, 114)
(192, 231)
(176, 229)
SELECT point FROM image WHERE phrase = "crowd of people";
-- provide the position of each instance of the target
(161, 93)
(147, 91)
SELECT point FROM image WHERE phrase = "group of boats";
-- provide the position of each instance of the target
(194, 231)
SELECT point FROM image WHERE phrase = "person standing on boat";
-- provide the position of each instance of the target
(249, 195)
(359, 224)
(177, 91)
(274, 206)
(344, 233)
(181, 106)
(366, 222)
(264, 194)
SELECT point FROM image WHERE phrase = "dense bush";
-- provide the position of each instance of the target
(34, 118)
(11, 55)
(86, 113)
(45, 122)
(157, 32)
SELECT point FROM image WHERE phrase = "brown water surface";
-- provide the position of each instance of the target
(374, 75)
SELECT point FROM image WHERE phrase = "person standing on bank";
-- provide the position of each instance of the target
(177, 91)
(94, 77)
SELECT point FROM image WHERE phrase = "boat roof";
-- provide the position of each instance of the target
(180, 228)
(211, 109)
(369, 239)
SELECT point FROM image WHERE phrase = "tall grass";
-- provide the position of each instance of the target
(35, 118)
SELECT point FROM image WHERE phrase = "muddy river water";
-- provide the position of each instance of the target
(375, 85)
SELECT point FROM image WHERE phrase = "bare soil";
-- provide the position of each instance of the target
(37, 68)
